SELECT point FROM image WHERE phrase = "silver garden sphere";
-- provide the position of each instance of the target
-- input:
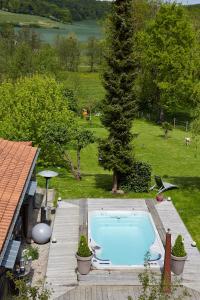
(41, 233)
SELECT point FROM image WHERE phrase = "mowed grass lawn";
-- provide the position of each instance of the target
(169, 158)
(25, 19)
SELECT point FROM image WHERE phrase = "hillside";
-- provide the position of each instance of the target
(27, 20)
(58, 10)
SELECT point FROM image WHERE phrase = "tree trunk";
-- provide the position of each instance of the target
(115, 182)
(78, 156)
(71, 165)
(161, 116)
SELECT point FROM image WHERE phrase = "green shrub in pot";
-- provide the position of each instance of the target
(84, 256)
(83, 249)
(179, 248)
(178, 256)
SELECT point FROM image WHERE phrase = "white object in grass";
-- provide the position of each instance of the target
(193, 244)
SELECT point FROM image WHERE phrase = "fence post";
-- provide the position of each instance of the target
(174, 122)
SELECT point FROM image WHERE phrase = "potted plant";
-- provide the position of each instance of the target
(178, 256)
(84, 256)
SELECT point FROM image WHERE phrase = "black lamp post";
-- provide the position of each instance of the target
(47, 174)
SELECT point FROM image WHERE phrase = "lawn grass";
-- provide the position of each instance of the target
(26, 20)
(169, 158)
(87, 85)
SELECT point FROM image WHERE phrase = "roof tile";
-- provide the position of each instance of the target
(15, 162)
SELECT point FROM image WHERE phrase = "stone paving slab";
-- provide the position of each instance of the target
(171, 219)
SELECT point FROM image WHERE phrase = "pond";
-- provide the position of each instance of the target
(83, 30)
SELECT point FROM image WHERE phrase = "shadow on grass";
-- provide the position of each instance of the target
(188, 183)
(103, 181)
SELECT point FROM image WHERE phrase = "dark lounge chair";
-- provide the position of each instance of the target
(162, 186)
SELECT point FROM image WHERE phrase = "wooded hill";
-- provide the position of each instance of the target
(60, 10)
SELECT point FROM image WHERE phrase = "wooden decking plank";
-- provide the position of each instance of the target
(157, 220)
(83, 211)
(99, 295)
(94, 292)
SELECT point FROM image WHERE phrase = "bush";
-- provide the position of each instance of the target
(178, 248)
(166, 127)
(31, 252)
(83, 249)
(139, 179)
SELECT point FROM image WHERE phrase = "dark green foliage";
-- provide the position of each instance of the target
(178, 248)
(168, 60)
(118, 106)
(71, 100)
(138, 179)
(83, 249)
(33, 252)
(166, 127)
(59, 10)
(68, 50)
(28, 292)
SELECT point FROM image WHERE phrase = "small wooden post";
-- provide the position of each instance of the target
(174, 122)
(166, 279)
(186, 126)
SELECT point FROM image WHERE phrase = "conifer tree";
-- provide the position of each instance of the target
(118, 106)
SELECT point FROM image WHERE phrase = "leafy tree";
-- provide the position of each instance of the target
(45, 60)
(166, 127)
(69, 52)
(21, 63)
(195, 126)
(118, 106)
(71, 99)
(28, 36)
(28, 292)
(83, 139)
(28, 106)
(92, 52)
(62, 138)
(169, 66)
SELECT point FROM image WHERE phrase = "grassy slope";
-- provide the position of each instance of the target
(169, 158)
(87, 85)
(24, 19)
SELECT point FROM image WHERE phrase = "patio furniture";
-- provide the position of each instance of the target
(162, 186)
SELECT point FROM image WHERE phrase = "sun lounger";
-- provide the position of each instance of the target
(162, 186)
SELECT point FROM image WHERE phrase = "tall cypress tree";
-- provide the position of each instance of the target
(118, 106)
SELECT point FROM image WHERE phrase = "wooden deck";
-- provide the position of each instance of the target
(171, 219)
(71, 220)
(61, 275)
(156, 218)
(113, 293)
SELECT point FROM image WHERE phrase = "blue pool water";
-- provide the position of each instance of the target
(123, 239)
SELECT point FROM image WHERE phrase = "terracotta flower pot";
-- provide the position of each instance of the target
(84, 264)
(160, 198)
(177, 264)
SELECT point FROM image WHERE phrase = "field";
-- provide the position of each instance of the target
(87, 85)
(169, 158)
(25, 20)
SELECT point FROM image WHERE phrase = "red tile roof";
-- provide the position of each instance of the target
(16, 159)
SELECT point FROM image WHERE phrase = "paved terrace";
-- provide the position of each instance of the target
(71, 219)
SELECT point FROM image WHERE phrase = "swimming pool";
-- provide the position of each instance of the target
(122, 239)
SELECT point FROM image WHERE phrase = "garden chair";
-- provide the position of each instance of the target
(162, 186)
